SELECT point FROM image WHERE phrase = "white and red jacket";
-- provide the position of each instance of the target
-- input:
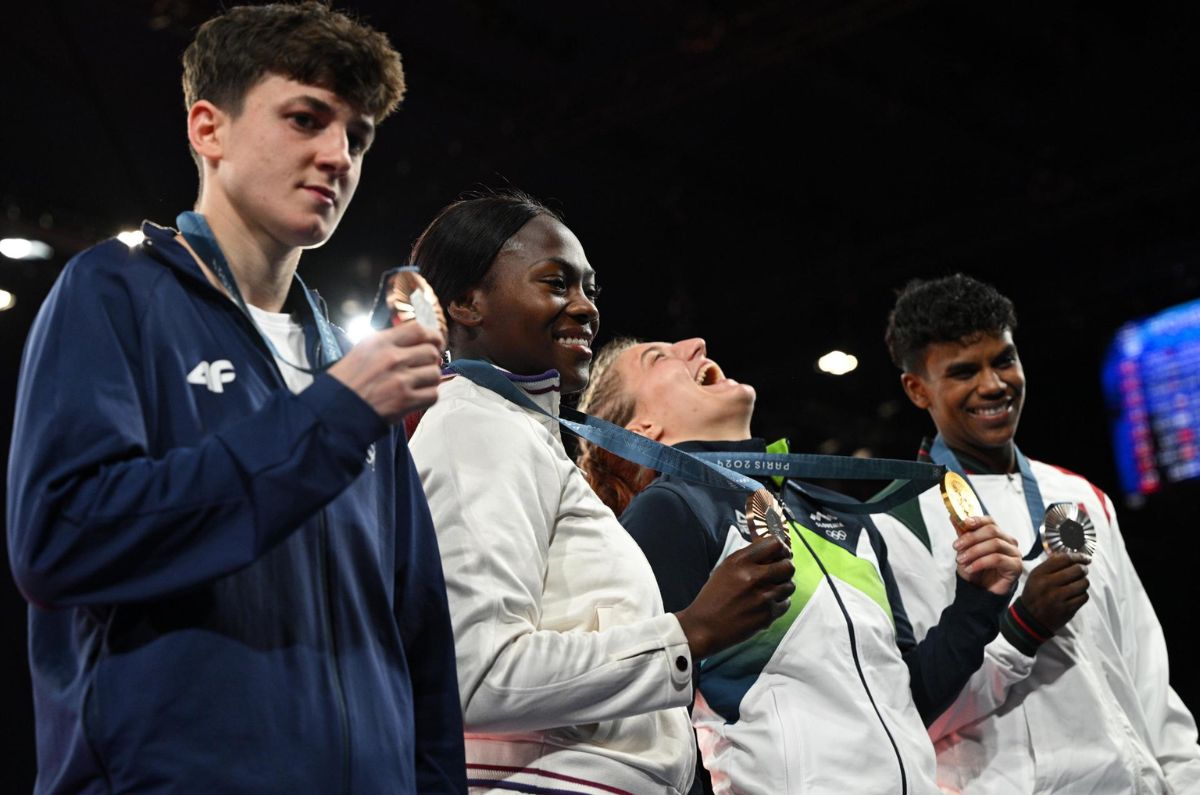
(1092, 710)
(572, 678)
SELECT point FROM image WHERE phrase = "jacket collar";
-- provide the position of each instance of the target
(752, 445)
(161, 244)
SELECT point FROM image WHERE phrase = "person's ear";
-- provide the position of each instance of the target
(465, 311)
(644, 427)
(206, 126)
(916, 389)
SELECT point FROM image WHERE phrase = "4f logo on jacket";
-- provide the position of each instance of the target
(214, 376)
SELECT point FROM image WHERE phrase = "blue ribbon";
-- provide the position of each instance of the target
(200, 237)
(700, 468)
(911, 477)
(941, 453)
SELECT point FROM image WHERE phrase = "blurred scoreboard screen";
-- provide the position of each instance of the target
(1151, 381)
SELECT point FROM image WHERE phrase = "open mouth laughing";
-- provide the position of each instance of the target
(709, 373)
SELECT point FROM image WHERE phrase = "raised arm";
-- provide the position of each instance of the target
(495, 492)
(952, 650)
(100, 511)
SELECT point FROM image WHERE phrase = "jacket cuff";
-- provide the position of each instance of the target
(343, 412)
(975, 599)
(679, 656)
(1022, 630)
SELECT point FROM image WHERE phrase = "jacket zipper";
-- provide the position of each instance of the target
(323, 564)
(854, 653)
(335, 675)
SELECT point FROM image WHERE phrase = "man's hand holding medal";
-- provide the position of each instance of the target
(986, 556)
(397, 370)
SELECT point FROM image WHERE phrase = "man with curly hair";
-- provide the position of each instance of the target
(1073, 697)
(233, 578)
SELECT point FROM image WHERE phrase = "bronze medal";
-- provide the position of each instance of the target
(409, 297)
(1068, 528)
(960, 500)
(763, 516)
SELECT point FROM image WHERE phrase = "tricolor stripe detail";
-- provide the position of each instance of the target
(1095, 488)
(1012, 610)
(505, 771)
(551, 388)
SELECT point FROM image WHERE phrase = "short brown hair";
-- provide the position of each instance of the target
(614, 479)
(307, 42)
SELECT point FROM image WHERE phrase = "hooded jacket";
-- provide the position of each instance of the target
(233, 588)
(830, 698)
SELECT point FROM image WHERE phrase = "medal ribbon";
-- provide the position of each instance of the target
(200, 237)
(915, 477)
(941, 453)
(692, 467)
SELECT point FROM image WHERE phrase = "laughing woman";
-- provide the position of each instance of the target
(834, 698)
(572, 677)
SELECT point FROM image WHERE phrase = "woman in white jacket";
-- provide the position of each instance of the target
(572, 678)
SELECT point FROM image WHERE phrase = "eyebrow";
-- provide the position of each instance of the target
(970, 366)
(585, 273)
(652, 348)
(358, 126)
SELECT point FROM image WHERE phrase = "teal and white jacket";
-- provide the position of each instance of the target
(834, 696)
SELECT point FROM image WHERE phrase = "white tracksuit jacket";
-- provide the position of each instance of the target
(571, 676)
(1092, 711)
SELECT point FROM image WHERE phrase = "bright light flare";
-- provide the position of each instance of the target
(20, 248)
(131, 237)
(7, 300)
(837, 363)
(359, 328)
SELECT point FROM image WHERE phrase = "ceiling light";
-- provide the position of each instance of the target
(837, 363)
(20, 248)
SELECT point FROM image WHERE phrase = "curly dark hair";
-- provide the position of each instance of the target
(948, 309)
(308, 42)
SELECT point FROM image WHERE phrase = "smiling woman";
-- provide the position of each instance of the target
(570, 673)
(521, 292)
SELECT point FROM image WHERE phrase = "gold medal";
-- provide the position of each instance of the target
(960, 500)
(1068, 528)
(763, 516)
(409, 297)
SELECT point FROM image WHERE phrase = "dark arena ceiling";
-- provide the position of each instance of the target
(762, 173)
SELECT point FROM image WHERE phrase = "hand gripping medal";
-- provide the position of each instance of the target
(405, 296)
(763, 516)
(1068, 528)
(960, 500)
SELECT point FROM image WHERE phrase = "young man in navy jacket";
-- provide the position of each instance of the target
(233, 579)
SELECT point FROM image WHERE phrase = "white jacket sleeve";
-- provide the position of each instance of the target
(986, 691)
(924, 591)
(1172, 729)
(495, 490)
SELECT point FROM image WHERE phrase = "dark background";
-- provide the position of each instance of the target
(763, 174)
